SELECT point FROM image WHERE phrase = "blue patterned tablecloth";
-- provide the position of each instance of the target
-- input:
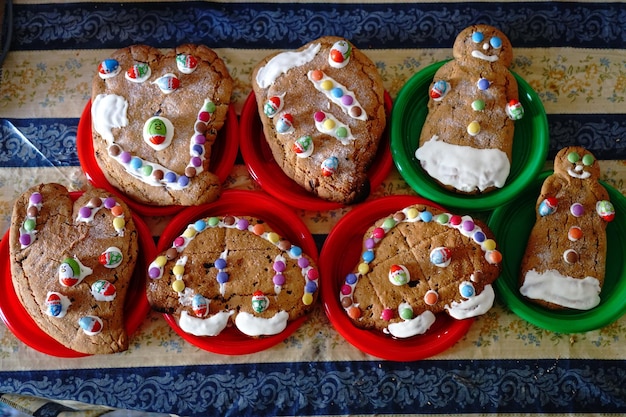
(573, 54)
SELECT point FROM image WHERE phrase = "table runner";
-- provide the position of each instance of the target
(571, 53)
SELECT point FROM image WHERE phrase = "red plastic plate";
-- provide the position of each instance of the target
(265, 171)
(223, 156)
(341, 252)
(14, 315)
(241, 203)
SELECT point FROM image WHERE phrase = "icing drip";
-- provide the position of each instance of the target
(257, 326)
(411, 327)
(563, 290)
(108, 112)
(463, 167)
(283, 62)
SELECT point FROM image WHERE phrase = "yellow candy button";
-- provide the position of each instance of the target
(489, 244)
(473, 128)
(119, 223)
(364, 268)
(273, 237)
(178, 285)
(412, 213)
(160, 261)
(178, 270)
(307, 299)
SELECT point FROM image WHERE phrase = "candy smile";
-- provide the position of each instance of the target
(578, 172)
(484, 57)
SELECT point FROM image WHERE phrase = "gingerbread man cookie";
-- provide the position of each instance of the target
(467, 139)
(565, 258)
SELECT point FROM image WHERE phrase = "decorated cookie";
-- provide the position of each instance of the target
(71, 265)
(416, 263)
(565, 258)
(155, 118)
(467, 138)
(322, 110)
(230, 270)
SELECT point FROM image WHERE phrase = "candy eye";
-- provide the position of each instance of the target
(496, 42)
(588, 160)
(477, 37)
(466, 289)
(573, 157)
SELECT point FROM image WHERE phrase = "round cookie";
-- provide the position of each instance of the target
(232, 270)
(565, 258)
(416, 263)
(323, 115)
(155, 118)
(467, 139)
(71, 265)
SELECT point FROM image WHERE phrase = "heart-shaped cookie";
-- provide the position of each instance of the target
(226, 270)
(416, 263)
(323, 115)
(71, 265)
(155, 118)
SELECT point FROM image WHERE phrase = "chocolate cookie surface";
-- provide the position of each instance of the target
(565, 258)
(416, 263)
(467, 139)
(232, 270)
(323, 115)
(71, 265)
(155, 118)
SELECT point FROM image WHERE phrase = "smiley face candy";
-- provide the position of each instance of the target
(155, 118)
(322, 110)
(71, 265)
(416, 263)
(565, 258)
(467, 139)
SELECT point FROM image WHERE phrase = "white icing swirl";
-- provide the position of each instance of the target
(283, 62)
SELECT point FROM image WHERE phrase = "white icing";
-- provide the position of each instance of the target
(283, 62)
(209, 326)
(412, 327)
(566, 291)
(108, 111)
(474, 306)
(463, 167)
(578, 172)
(258, 326)
(320, 126)
(484, 57)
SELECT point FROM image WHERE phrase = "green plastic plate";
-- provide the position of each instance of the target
(530, 146)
